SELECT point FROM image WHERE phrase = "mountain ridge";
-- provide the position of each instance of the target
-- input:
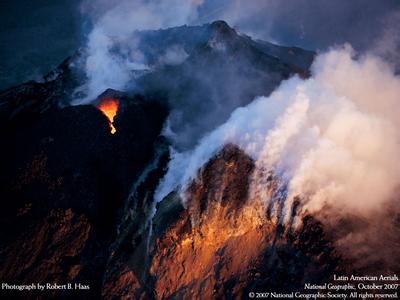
(70, 184)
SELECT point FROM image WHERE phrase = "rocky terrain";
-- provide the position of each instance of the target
(220, 245)
(77, 199)
(64, 178)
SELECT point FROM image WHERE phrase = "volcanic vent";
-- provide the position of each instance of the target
(109, 107)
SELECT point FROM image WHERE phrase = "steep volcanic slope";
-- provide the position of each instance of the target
(64, 177)
(222, 245)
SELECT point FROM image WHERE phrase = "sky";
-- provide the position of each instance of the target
(35, 36)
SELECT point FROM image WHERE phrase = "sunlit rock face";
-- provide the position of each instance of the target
(222, 244)
(211, 246)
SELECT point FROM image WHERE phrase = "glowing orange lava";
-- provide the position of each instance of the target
(109, 107)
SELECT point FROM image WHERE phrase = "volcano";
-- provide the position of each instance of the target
(79, 182)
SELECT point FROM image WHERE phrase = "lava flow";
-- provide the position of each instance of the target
(109, 107)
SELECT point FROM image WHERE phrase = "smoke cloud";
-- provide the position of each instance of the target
(347, 113)
(112, 52)
(332, 139)
(36, 46)
(114, 59)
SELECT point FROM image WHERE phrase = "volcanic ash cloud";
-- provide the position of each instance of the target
(111, 50)
(333, 138)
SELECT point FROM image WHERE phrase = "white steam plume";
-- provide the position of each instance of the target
(334, 137)
(112, 52)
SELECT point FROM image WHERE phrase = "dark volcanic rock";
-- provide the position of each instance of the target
(138, 125)
(54, 249)
(64, 179)
(59, 196)
(27, 101)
